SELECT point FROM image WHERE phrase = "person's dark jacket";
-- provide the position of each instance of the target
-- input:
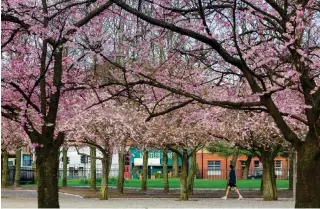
(232, 177)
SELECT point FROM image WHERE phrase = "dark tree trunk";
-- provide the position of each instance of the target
(291, 170)
(104, 180)
(175, 165)
(65, 166)
(192, 173)
(226, 168)
(93, 169)
(4, 176)
(18, 169)
(184, 176)
(247, 167)
(308, 173)
(269, 178)
(120, 183)
(234, 159)
(47, 168)
(145, 170)
(109, 162)
(165, 171)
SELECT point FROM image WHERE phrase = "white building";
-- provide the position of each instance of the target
(76, 169)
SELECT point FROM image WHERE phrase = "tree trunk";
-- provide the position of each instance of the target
(120, 183)
(247, 167)
(18, 169)
(184, 176)
(104, 180)
(65, 166)
(109, 162)
(226, 169)
(269, 180)
(175, 165)
(4, 176)
(165, 171)
(192, 173)
(145, 170)
(308, 173)
(291, 171)
(234, 159)
(47, 168)
(93, 169)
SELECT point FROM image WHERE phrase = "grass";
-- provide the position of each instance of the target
(175, 183)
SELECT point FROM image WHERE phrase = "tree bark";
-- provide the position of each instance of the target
(93, 169)
(165, 171)
(65, 166)
(184, 176)
(269, 180)
(18, 169)
(234, 159)
(226, 169)
(308, 173)
(175, 165)
(104, 180)
(109, 162)
(121, 158)
(4, 176)
(145, 170)
(192, 173)
(291, 171)
(47, 168)
(247, 167)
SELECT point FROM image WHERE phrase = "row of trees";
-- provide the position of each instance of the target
(110, 131)
(252, 56)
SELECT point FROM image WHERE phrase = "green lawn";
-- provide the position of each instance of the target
(174, 183)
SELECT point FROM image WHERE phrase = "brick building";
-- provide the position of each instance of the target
(214, 166)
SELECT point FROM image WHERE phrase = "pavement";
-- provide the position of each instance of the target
(28, 199)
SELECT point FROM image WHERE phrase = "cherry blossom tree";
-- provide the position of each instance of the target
(12, 138)
(183, 135)
(241, 54)
(40, 65)
(268, 49)
(105, 127)
(258, 133)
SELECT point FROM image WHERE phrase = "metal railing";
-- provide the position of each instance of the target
(220, 174)
(86, 173)
(26, 175)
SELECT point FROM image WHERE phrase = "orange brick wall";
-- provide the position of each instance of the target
(225, 165)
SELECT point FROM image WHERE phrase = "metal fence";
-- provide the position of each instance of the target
(26, 175)
(219, 174)
(86, 173)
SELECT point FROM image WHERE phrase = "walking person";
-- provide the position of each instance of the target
(232, 183)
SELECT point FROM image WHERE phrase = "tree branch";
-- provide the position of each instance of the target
(85, 154)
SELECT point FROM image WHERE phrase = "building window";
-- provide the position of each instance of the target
(278, 167)
(256, 165)
(214, 168)
(26, 160)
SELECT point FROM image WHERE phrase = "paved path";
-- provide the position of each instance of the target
(28, 199)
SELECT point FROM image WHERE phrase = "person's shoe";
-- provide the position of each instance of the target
(224, 198)
(240, 197)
